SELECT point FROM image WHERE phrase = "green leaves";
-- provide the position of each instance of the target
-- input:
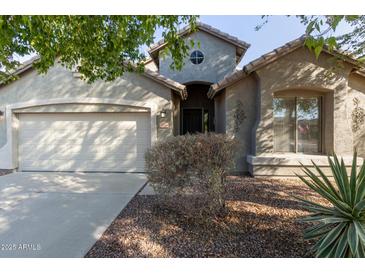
(320, 33)
(339, 229)
(352, 238)
(97, 45)
(332, 236)
(315, 44)
(331, 43)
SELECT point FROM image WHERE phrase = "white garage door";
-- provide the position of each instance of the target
(101, 142)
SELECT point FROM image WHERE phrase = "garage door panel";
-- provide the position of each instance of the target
(87, 146)
(52, 143)
(60, 165)
(89, 128)
(74, 133)
(79, 155)
(129, 138)
(84, 142)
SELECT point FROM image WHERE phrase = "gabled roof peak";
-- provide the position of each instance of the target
(241, 46)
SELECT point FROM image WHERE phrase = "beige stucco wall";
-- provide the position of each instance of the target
(296, 74)
(300, 70)
(60, 84)
(357, 90)
(219, 60)
(176, 100)
(220, 112)
(241, 114)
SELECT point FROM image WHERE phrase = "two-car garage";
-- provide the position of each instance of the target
(90, 142)
(59, 122)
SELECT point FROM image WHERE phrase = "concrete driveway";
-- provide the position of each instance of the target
(48, 214)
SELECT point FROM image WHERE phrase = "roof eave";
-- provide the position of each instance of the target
(181, 89)
(228, 81)
(359, 72)
(272, 56)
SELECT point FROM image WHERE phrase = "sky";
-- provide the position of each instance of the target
(278, 31)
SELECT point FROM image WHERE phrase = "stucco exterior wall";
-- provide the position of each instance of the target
(300, 70)
(296, 74)
(220, 112)
(219, 60)
(356, 102)
(60, 83)
(176, 101)
(241, 114)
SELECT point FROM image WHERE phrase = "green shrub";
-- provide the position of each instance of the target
(188, 172)
(340, 228)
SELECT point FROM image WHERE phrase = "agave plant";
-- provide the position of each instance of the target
(340, 228)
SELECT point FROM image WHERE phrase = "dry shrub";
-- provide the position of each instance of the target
(188, 172)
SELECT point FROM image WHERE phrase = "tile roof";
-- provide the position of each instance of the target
(267, 59)
(154, 75)
(205, 27)
(360, 72)
(181, 89)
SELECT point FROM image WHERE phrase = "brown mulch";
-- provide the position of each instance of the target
(261, 221)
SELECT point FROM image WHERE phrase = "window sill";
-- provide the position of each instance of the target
(294, 159)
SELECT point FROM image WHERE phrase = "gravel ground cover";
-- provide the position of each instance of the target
(261, 221)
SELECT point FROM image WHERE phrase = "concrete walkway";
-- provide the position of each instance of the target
(60, 214)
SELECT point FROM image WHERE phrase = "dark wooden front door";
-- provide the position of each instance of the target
(192, 121)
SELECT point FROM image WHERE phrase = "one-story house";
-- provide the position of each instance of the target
(284, 108)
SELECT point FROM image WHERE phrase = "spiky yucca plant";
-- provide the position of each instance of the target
(340, 228)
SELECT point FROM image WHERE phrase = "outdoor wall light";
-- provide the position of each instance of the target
(163, 113)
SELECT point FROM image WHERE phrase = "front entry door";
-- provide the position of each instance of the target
(192, 120)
